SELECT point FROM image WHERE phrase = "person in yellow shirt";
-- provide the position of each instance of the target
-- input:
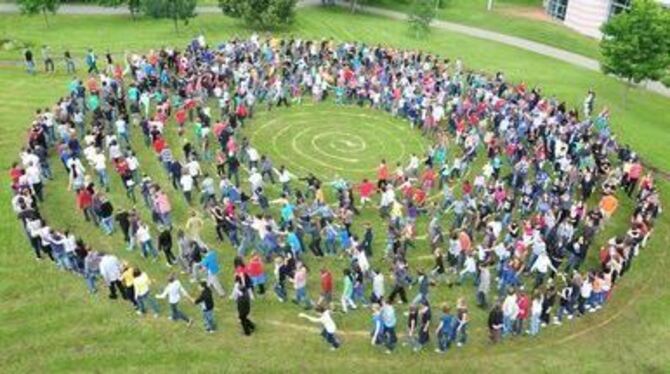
(127, 279)
(194, 225)
(141, 286)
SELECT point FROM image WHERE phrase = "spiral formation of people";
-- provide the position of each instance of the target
(493, 221)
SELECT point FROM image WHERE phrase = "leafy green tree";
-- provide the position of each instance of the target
(421, 16)
(263, 14)
(32, 7)
(176, 10)
(134, 6)
(636, 43)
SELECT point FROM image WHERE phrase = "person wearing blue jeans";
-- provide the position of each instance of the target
(329, 327)
(445, 329)
(389, 320)
(206, 301)
(174, 292)
(142, 295)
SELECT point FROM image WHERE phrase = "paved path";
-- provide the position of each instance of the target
(525, 44)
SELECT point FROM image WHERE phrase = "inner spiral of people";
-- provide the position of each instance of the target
(392, 191)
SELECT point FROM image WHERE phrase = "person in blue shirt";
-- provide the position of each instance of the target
(377, 332)
(287, 214)
(294, 242)
(331, 236)
(210, 262)
(445, 330)
(389, 320)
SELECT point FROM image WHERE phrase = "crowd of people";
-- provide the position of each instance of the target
(515, 187)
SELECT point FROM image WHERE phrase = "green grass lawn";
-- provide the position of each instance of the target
(521, 18)
(51, 324)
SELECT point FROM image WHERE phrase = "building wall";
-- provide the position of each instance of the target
(586, 16)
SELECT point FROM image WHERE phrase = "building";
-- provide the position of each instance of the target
(586, 16)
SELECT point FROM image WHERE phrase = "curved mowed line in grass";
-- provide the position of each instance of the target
(328, 140)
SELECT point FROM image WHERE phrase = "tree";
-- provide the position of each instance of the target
(421, 16)
(636, 43)
(133, 5)
(177, 10)
(32, 7)
(263, 14)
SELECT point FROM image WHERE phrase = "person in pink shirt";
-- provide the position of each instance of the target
(231, 146)
(633, 177)
(162, 206)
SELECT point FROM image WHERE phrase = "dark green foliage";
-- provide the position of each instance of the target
(261, 14)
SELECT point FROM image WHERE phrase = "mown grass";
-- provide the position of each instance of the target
(521, 18)
(51, 324)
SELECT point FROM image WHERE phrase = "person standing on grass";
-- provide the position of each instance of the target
(194, 226)
(210, 263)
(300, 285)
(326, 297)
(174, 292)
(206, 302)
(242, 298)
(495, 323)
(141, 284)
(110, 270)
(535, 313)
(143, 235)
(92, 62)
(165, 246)
(186, 182)
(69, 62)
(389, 320)
(347, 291)
(326, 321)
(257, 273)
(510, 309)
(524, 313)
(462, 321)
(48, 61)
(445, 330)
(30, 62)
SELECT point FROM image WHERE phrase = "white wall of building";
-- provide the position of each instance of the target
(586, 16)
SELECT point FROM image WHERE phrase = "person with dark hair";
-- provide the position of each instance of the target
(495, 323)
(165, 245)
(141, 285)
(242, 298)
(326, 321)
(206, 302)
(174, 292)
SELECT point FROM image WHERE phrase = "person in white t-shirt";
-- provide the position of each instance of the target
(326, 321)
(186, 182)
(100, 166)
(174, 292)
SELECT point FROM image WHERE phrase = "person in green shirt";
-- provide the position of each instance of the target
(93, 102)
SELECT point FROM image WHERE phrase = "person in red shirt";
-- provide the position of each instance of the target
(180, 117)
(523, 302)
(326, 288)
(382, 175)
(365, 190)
(257, 273)
(15, 173)
(419, 197)
(85, 203)
(159, 144)
(428, 179)
(467, 188)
